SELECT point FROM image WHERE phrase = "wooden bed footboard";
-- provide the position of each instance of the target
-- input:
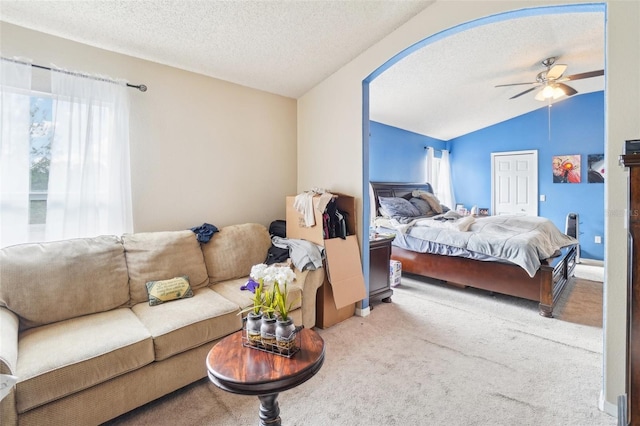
(545, 287)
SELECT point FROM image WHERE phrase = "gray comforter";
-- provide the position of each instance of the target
(522, 240)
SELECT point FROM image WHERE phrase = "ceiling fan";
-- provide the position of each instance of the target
(551, 81)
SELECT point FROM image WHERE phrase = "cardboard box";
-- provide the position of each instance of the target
(395, 273)
(326, 312)
(344, 283)
(296, 226)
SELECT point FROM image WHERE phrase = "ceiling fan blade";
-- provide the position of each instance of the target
(522, 93)
(583, 75)
(556, 71)
(568, 90)
(515, 84)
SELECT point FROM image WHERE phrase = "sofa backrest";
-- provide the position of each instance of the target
(49, 282)
(233, 250)
(153, 256)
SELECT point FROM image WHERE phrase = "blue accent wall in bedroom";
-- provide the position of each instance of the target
(397, 155)
(577, 127)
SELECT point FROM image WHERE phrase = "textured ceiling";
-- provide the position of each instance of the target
(447, 88)
(443, 90)
(284, 47)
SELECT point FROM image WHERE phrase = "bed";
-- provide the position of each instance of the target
(538, 279)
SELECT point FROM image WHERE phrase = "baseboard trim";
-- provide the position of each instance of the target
(607, 407)
(363, 312)
(593, 262)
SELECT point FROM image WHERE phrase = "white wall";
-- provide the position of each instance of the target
(330, 120)
(202, 149)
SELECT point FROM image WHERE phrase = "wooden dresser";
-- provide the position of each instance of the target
(632, 161)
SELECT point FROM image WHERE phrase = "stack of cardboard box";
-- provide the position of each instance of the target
(344, 283)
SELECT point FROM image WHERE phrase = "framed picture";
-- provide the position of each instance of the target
(459, 206)
(483, 211)
(566, 168)
(595, 173)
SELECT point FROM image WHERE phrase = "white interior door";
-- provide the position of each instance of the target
(514, 181)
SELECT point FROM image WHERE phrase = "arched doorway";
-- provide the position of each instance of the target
(537, 12)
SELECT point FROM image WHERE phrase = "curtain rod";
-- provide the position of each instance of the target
(140, 87)
(435, 149)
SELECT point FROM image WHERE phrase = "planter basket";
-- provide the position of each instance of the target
(287, 348)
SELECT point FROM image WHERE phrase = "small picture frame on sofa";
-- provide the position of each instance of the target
(483, 211)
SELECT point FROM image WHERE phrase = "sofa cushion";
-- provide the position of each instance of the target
(231, 290)
(60, 359)
(48, 282)
(153, 256)
(234, 250)
(187, 323)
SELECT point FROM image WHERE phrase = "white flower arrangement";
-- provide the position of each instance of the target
(270, 274)
(275, 299)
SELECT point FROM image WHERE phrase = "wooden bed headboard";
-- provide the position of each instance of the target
(396, 189)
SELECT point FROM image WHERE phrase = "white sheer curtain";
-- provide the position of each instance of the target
(89, 179)
(445, 186)
(438, 174)
(431, 171)
(15, 97)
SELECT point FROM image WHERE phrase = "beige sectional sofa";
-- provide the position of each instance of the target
(79, 333)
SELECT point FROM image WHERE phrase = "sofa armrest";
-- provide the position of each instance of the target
(309, 281)
(8, 361)
(8, 341)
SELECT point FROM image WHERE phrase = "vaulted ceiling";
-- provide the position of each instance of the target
(443, 90)
(447, 88)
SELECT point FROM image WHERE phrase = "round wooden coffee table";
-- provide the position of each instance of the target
(249, 371)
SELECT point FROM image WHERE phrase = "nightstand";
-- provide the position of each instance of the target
(379, 257)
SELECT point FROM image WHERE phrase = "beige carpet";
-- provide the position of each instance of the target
(437, 355)
(589, 270)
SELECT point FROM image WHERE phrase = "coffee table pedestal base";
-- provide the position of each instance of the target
(269, 410)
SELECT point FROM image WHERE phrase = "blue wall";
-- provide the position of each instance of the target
(397, 155)
(577, 127)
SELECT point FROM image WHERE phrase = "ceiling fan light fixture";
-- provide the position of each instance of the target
(558, 92)
(550, 81)
(548, 92)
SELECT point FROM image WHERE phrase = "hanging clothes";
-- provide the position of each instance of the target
(304, 204)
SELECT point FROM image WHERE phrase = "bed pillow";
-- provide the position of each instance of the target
(423, 207)
(395, 206)
(429, 198)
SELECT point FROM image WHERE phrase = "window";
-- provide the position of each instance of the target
(438, 174)
(64, 156)
(40, 138)
(432, 169)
